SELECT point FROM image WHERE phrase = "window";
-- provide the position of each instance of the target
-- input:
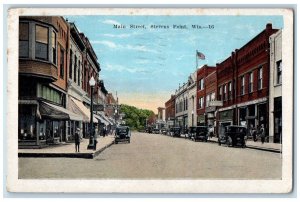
(75, 68)
(41, 42)
(225, 91)
(229, 91)
(278, 72)
(24, 40)
(201, 102)
(242, 85)
(78, 73)
(53, 42)
(220, 92)
(207, 100)
(250, 82)
(201, 84)
(213, 96)
(260, 78)
(62, 63)
(71, 61)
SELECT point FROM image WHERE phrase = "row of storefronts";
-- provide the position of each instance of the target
(244, 90)
(56, 63)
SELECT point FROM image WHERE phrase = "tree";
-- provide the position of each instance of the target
(135, 118)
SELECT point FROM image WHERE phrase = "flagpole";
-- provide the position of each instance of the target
(196, 59)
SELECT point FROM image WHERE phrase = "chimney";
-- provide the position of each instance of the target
(269, 26)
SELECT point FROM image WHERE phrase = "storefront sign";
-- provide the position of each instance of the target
(98, 107)
(215, 103)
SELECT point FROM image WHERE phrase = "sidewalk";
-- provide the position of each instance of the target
(271, 147)
(68, 149)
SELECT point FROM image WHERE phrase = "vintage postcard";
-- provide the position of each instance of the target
(150, 100)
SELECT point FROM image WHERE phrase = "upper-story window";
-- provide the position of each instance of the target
(279, 72)
(53, 42)
(201, 102)
(229, 91)
(62, 63)
(250, 82)
(260, 78)
(75, 68)
(71, 64)
(201, 84)
(24, 40)
(78, 74)
(41, 42)
(225, 92)
(242, 85)
(213, 96)
(220, 92)
(207, 100)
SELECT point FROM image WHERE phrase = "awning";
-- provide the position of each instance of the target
(102, 120)
(84, 110)
(52, 111)
(105, 118)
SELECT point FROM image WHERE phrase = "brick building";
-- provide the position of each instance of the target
(43, 62)
(211, 96)
(202, 73)
(243, 84)
(170, 111)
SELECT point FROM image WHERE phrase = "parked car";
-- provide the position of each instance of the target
(149, 129)
(175, 131)
(199, 133)
(233, 136)
(163, 131)
(156, 130)
(122, 134)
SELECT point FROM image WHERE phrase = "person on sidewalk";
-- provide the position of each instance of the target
(262, 134)
(253, 133)
(77, 139)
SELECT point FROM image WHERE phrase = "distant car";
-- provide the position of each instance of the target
(199, 133)
(175, 132)
(163, 131)
(156, 130)
(233, 136)
(122, 134)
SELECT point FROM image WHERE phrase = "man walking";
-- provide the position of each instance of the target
(262, 133)
(77, 139)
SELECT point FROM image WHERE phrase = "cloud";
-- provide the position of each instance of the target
(111, 22)
(113, 45)
(121, 68)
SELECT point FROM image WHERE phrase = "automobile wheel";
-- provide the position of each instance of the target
(116, 142)
(229, 142)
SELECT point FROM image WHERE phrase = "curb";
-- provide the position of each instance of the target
(66, 155)
(255, 147)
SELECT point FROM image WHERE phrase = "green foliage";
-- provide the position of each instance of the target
(135, 118)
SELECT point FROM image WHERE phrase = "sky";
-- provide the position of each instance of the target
(146, 65)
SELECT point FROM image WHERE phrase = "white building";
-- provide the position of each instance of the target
(181, 106)
(192, 99)
(275, 93)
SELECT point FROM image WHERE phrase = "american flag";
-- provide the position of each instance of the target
(200, 55)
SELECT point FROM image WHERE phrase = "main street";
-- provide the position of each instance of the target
(159, 156)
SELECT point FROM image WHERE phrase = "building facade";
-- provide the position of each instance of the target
(211, 96)
(43, 62)
(181, 106)
(202, 73)
(275, 96)
(170, 112)
(192, 99)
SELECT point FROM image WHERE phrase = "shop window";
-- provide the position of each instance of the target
(27, 122)
(251, 110)
(41, 42)
(24, 40)
(278, 72)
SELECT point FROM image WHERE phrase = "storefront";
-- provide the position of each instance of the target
(225, 119)
(277, 120)
(42, 123)
(201, 120)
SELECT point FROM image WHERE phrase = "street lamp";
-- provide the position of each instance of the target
(92, 142)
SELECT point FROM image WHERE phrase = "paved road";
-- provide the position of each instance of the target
(159, 156)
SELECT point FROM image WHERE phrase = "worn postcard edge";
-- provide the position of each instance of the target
(149, 185)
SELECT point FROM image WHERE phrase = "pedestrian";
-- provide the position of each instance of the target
(77, 139)
(262, 134)
(253, 133)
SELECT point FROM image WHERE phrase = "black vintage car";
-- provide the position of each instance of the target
(233, 136)
(122, 134)
(156, 130)
(198, 133)
(175, 131)
(163, 131)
